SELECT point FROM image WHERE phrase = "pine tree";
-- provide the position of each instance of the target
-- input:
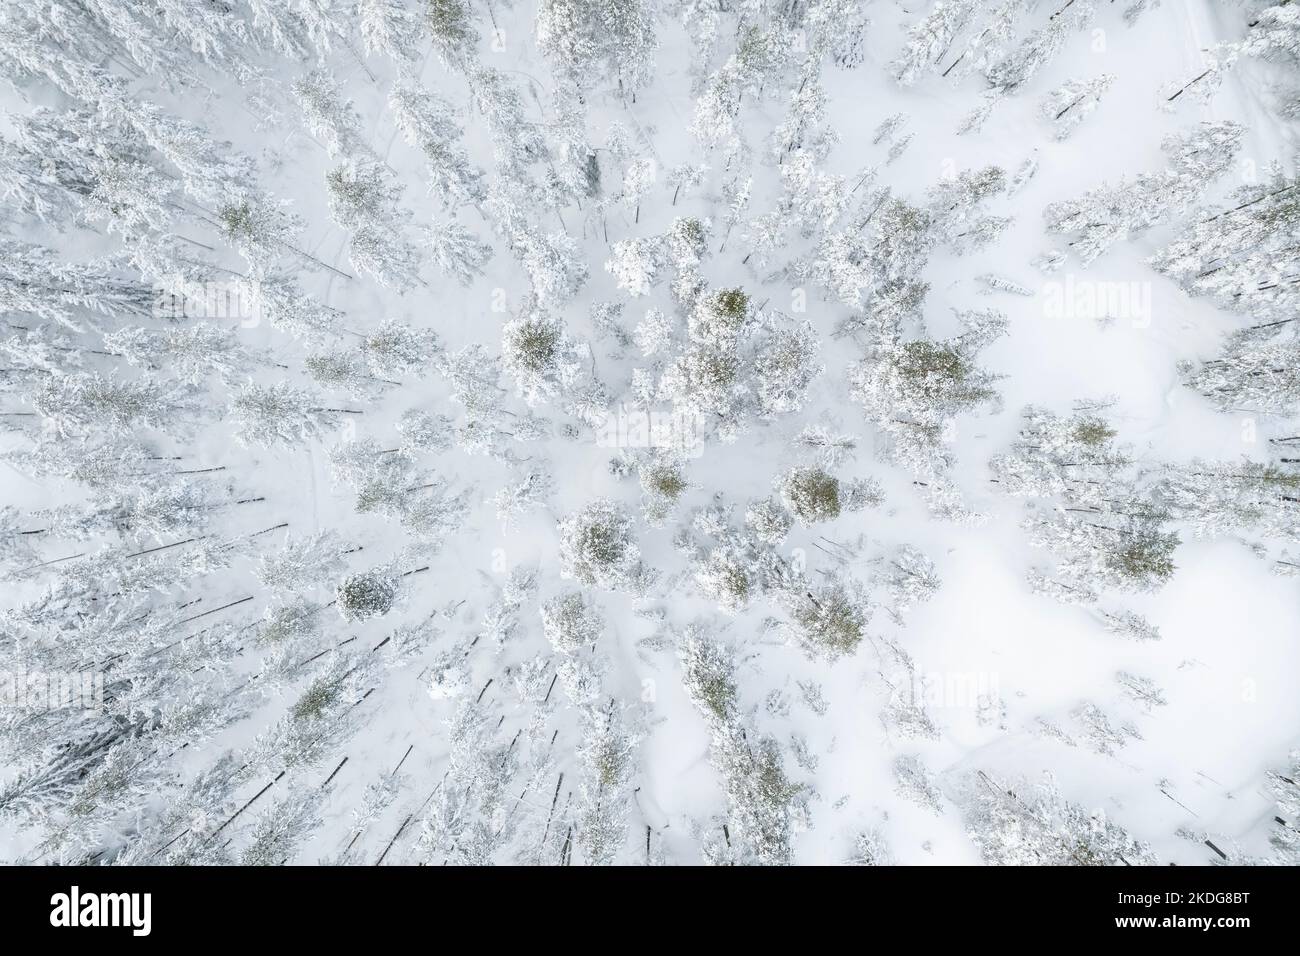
(457, 251)
(1258, 376)
(1222, 497)
(1106, 215)
(1274, 34)
(397, 348)
(329, 117)
(194, 352)
(1074, 457)
(280, 414)
(36, 281)
(366, 595)
(829, 620)
(762, 803)
(427, 122)
(912, 390)
(1019, 66)
(1036, 825)
(390, 27)
(345, 371)
(517, 143)
(915, 782)
(597, 548)
(570, 623)
(76, 402)
(634, 264)
(1108, 529)
(540, 356)
(365, 199)
(1070, 103)
(931, 38)
(1241, 256)
(586, 39)
(605, 784)
(451, 25)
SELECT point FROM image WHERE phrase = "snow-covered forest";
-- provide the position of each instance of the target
(663, 432)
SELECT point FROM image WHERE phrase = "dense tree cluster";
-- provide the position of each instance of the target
(341, 356)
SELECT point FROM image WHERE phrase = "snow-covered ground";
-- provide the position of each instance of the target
(527, 751)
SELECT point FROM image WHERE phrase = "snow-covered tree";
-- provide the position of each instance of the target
(913, 390)
(1038, 48)
(763, 805)
(590, 39)
(365, 199)
(35, 281)
(428, 123)
(280, 414)
(1070, 103)
(929, 41)
(829, 620)
(397, 348)
(1106, 527)
(544, 361)
(570, 622)
(1241, 255)
(607, 760)
(80, 401)
(1259, 376)
(366, 595)
(1109, 214)
(634, 263)
(1035, 825)
(1218, 498)
(390, 27)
